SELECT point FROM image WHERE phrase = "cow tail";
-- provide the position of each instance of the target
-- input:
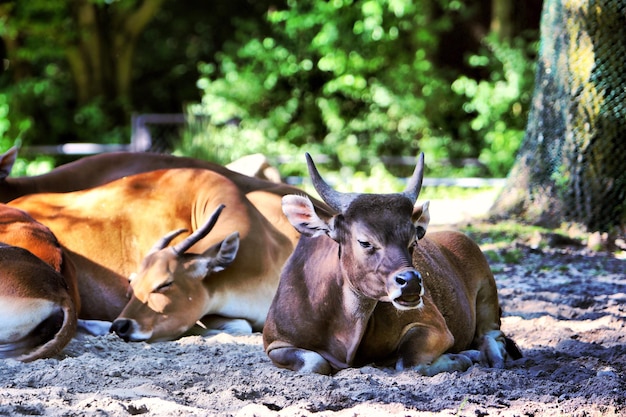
(512, 349)
(56, 344)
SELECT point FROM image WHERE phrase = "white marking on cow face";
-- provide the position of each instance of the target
(312, 362)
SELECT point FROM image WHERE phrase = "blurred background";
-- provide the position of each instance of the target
(530, 90)
(368, 84)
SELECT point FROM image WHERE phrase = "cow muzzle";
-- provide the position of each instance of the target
(406, 290)
(129, 330)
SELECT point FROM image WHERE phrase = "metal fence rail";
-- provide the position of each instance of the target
(158, 132)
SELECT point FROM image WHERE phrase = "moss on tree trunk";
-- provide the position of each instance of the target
(571, 164)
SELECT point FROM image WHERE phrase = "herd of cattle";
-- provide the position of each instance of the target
(152, 246)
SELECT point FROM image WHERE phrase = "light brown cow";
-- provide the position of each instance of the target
(368, 286)
(100, 169)
(38, 292)
(108, 230)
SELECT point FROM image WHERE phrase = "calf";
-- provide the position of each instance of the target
(38, 292)
(367, 286)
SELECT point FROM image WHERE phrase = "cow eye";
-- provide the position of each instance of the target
(365, 245)
(163, 287)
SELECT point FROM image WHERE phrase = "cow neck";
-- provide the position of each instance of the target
(357, 312)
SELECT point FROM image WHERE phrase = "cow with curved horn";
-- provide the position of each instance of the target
(367, 286)
(108, 230)
(38, 293)
(182, 282)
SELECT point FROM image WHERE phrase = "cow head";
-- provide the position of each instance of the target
(376, 234)
(168, 294)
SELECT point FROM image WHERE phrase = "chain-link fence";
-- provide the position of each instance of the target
(571, 164)
(157, 132)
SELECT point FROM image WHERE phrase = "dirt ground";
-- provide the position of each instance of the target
(565, 308)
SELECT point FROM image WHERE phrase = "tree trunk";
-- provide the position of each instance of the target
(502, 18)
(570, 166)
(20, 68)
(125, 37)
(101, 58)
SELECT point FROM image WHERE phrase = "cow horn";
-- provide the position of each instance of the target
(191, 240)
(414, 184)
(165, 240)
(336, 200)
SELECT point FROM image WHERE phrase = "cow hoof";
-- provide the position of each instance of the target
(448, 362)
(473, 354)
(236, 326)
(493, 349)
(300, 360)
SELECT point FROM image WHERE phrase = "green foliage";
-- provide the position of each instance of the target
(501, 233)
(28, 167)
(348, 80)
(38, 85)
(498, 105)
(512, 256)
(357, 81)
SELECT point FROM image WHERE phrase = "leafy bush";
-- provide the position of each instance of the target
(499, 105)
(352, 81)
(357, 82)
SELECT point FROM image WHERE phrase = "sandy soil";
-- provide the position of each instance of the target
(565, 308)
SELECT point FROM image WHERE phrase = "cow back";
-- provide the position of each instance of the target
(19, 229)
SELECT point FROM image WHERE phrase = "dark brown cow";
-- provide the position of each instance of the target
(108, 230)
(38, 292)
(367, 286)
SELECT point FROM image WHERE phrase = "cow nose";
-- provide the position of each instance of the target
(123, 328)
(408, 280)
(409, 283)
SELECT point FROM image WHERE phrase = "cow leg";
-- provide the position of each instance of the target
(301, 360)
(214, 324)
(94, 327)
(423, 347)
(448, 362)
(493, 349)
(493, 345)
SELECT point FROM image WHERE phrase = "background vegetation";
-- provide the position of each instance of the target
(360, 81)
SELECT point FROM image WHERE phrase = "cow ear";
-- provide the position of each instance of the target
(223, 254)
(301, 214)
(421, 218)
(214, 259)
(197, 266)
(7, 160)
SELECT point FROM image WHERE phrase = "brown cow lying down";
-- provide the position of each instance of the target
(38, 293)
(96, 170)
(108, 230)
(367, 286)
